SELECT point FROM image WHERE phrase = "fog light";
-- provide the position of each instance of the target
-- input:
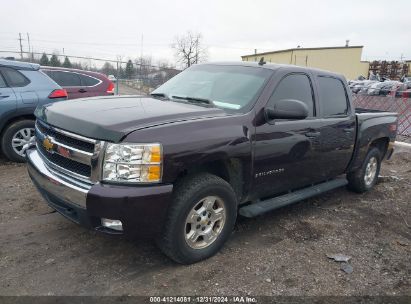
(112, 224)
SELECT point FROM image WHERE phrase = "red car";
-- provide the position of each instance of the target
(79, 83)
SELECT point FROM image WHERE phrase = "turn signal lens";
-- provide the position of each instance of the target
(154, 173)
(155, 154)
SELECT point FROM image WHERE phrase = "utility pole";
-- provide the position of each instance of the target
(141, 63)
(117, 79)
(30, 50)
(118, 72)
(21, 47)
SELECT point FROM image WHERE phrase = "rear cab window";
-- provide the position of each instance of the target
(333, 97)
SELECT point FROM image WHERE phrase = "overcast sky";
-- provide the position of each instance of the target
(231, 28)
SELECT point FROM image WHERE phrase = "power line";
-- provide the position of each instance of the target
(91, 58)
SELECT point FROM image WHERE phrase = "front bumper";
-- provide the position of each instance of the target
(141, 209)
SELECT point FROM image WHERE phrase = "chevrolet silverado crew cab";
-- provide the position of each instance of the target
(215, 141)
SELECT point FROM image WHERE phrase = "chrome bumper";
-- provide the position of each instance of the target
(52, 183)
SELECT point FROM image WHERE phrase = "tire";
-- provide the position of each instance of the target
(178, 240)
(364, 178)
(18, 131)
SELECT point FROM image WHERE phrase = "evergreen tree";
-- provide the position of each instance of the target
(54, 61)
(108, 69)
(67, 63)
(129, 69)
(44, 60)
(121, 73)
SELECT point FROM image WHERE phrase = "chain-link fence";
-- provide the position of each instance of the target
(391, 103)
(130, 76)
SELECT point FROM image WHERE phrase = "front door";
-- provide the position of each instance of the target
(286, 152)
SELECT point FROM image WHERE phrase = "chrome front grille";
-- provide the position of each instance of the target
(69, 153)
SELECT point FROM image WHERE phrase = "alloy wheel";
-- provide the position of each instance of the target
(21, 138)
(205, 222)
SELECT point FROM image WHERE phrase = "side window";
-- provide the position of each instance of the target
(2, 82)
(332, 96)
(66, 79)
(295, 86)
(88, 81)
(47, 72)
(15, 78)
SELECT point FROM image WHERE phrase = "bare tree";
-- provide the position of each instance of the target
(189, 49)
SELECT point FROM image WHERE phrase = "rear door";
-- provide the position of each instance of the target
(337, 125)
(91, 85)
(286, 152)
(20, 84)
(8, 100)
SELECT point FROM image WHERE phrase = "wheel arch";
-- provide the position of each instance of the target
(231, 170)
(381, 144)
(13, 119)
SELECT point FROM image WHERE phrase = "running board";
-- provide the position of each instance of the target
(290, 198)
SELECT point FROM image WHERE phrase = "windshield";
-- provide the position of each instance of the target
(226, 87)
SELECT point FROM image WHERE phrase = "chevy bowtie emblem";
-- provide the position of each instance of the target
(47, 144)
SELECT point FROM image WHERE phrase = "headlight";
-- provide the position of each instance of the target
(136, 163)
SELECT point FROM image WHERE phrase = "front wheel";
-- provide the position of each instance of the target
(200, 220)
(15, 137)
(364, 178)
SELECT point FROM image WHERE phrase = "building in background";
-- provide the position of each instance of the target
(345, 60)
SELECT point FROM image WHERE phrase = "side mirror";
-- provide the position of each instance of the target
(287, 109)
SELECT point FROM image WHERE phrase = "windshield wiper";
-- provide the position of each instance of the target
(195, 99)
(162, 95)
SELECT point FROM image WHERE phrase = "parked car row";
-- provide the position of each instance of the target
(381, 88)
(24, 86)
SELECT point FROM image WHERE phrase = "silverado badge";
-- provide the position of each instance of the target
(48, 145)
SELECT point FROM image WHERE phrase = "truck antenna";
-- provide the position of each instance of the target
(261, 62)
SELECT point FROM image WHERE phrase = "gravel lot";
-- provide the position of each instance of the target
(281, 253)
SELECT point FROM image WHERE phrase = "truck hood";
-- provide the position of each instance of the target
(112, 118)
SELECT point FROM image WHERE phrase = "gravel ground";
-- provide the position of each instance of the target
(281, 253)
(406, 139)
(124, 89)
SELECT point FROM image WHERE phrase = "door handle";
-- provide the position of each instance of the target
(82, 91)
(312, 134)
(4, 96)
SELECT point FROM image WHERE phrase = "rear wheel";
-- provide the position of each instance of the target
(364, 178)
(200, 220)
(15, 137)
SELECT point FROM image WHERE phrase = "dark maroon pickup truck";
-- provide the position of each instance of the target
(215, 141)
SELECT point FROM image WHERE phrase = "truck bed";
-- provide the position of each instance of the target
(364, 110)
